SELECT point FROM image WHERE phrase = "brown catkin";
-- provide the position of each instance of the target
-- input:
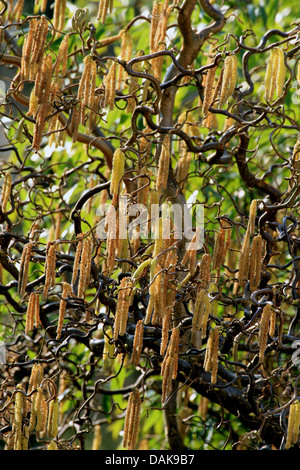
(50, 265)
(85, 266)
(293, 425)
(163, 165)
(24, 268)
(6, 190)
(59, 14)
(132, 419)
(66, 292)
(244, 260)
(41, 410)
(122, 308)
(264, 326)
(256, 253)
(32, 315)
(137, 343)
(169, 364)
(61, 64)
(208, 90)
(211, 354)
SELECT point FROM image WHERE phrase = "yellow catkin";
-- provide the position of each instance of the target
(52, 446)
(38, 47)
(50, 265)
(42, 86)
(40, 408)
(122, 308)
(293, 425)
(205, 271)
(85, 266)
(6, 190)
(110, 86)
(32, 315)
(208, 90)
(163, 165)
(125, 55)
(118, 167)
(211, 354)
(229, 79)
(137, 343)
(61, 65)
(169, 364)
(154, 25)
(269, 76)
(66, 292)
(132, 419)
(52, 422)
(103, 8)
(252, 217)
(59, 14)
(264, 327)
(97, 437)
(24, 268)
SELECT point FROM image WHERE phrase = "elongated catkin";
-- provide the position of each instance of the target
(229, 79)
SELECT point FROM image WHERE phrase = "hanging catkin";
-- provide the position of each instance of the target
(211, 354)
(122, 308)
(229, 79)
(264, 326)
(293, 425)
(50, 265)
(132, 420)
(24, 268)
(208, 90)
(275, 74)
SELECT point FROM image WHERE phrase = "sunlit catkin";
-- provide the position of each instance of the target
(110, 86)
(132, 420)
(200, 318)
(50, 265)
(264, 326)
(103, 8)
(24, 268)
(275, 74)
(169, 364)
(155, 20)
(122, 308)
(6, 190)
(293, 425)
(229, 79)
(61, 64)
(137, 343)
(163, 165)
(118, 167)
(211, 354)
(41, 410)
(208, 90)
(85, 266)
(32, 314)
(59, 14)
